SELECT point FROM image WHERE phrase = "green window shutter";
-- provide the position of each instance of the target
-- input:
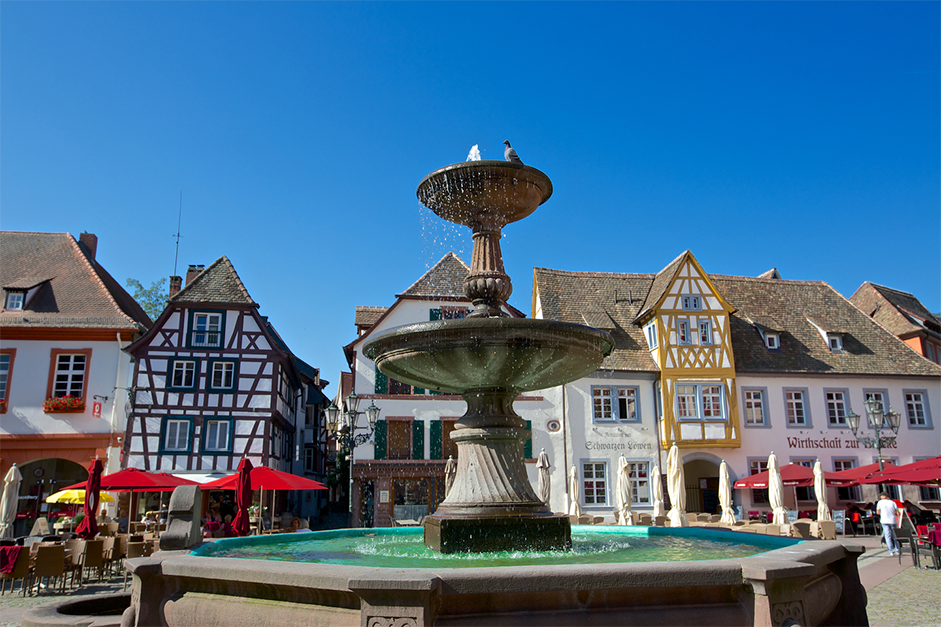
(436, 451)
(379, 436)
(528, 446)
(434, 392)
(382, 382)
(416, 390)
(418, 439)
(434, 314)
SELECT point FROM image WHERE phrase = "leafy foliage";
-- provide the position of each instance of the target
(152, 299)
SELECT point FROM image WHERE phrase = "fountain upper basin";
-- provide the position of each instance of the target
(486, 353)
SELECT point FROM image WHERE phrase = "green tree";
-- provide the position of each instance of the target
(152, 299)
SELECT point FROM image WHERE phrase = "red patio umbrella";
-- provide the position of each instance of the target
(88, 528)
(926, 471)
(141, 480)
(792, 476)
(264, 478)
(852, 476)
(243, 498)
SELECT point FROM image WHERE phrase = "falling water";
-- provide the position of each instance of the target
(474, 154)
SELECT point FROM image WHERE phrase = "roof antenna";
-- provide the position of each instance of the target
(179, 221)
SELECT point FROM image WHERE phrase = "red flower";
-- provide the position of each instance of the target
(63, 404)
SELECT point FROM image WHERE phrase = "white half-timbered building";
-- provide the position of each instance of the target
(214, 383)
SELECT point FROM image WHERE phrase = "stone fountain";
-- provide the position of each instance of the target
(489, 358)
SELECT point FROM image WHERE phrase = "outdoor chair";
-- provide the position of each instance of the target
(93, 557)
(49, 564)
(801, 528)
(597, 520)
(76, 550)
(134, 549)
(107, 554)
(823, 529)
(704, 517)
(20, 571)
(928, 549)
(772, 530)
(644, 519)
(905, 534)
(715, 517)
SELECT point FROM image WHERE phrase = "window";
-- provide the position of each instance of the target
(711, 402)
(755, 414)
(222, 374)
(879, 397)
(453, 313)
(836, 408)
(846, 494)
(638, 473)
(397, 387)
(205, 329)
(216, 436)
(310, 458)
(176, 435)
(701, 401)
(835, 342)
(399, 439)
(183, 374)
(805, 494)
(692, 303)
(929, 494)
(595, 483)
(69, 378)
(15, 301)
(651, 332)
(772, 341)
(759, 495)
(705, 332)
(7, 355)
(686, 402)
(916, 408)
(615, 404)
(796, 407)
(682, 331)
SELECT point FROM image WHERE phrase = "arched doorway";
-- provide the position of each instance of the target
(702, 486)
(42, 477)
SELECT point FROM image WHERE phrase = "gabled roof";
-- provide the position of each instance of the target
(219, 283)
(899, 312)
(444, 280)
(368, 316)
(73, 290)
(661, 282)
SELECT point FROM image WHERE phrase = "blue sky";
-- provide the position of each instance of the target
(802, 136)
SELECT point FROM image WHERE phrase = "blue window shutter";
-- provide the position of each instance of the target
(436, 451)
(379, 436)
(418, 439)
(382, 382)
(434, 314)
(528, 446)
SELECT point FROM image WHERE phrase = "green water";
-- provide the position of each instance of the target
(403, 548)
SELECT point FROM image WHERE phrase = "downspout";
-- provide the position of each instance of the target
(658, 409)
(119, 392)
(565, 450)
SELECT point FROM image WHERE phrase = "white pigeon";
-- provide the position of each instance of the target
(510, 155)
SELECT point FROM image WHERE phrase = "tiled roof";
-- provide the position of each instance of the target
(444, 280)
(592, 297)
(367, 316)
(74, 290)
(219, 283)
(661, 282)
(899, 312)
(783, 306)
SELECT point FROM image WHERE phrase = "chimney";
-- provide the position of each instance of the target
(176, 283)
(89, 242)
(192, 271)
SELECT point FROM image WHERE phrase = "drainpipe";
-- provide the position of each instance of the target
(657, 402)
(115, 419)
(566, 434)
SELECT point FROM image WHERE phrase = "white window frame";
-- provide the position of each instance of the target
(916, 419)
(691, 302)
(834, 418)
(750, 403)
(180, 367)
(835, 342)
(596, 481)
(68, 378)
(177, 424)
(211, 439)
(846, 494)
(15, 301)
(638, 472)
(772, 341)
(703, 400)
(222, 366)
(790, 405)
(651, 333)
(759, 496)
(606, 403)
(682, 333)
(705, 332)
(6, 366)
(211, 323)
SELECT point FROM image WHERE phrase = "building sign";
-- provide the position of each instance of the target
(618, 446)
(832, 443)
(96, 409)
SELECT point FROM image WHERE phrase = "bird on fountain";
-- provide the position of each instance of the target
(510, 155)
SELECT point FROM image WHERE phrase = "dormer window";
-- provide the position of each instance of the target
(772, 341)
(692, 303)
(15, 301)
(651, 330)
(835, 341)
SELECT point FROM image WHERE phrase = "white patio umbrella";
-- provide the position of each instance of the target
(450, 469)
(575, 509)
(625, 515)
(725, 495)
(9, 501)
(820, 489)
(776, 491)
(544, 480)
(676, 486)
(657, 481)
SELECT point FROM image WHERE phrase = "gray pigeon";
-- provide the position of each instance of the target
(510, 155)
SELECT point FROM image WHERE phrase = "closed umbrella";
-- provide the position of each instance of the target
(574, 508)
(725, 495)
(450, 469)
(820, 489)
(657, 480)
(243, 498)
(776, 491)
(544, 480)
(676, 487)
(88, 528)
(625, 516)
(9, 500)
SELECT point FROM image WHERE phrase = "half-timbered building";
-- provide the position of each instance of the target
(214, 383)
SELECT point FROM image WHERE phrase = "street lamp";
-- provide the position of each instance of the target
(343, 427)
(879, 419)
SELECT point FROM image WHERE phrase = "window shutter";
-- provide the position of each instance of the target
(382, 382)
(434, 392)
(416, 390)
(379, 437)
(436, 451)
(528, 445)
(434, 314)
(418, 439)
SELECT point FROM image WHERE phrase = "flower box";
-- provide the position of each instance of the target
(3, 406)
(63, 405)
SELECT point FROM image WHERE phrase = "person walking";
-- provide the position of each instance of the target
(888, 516)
